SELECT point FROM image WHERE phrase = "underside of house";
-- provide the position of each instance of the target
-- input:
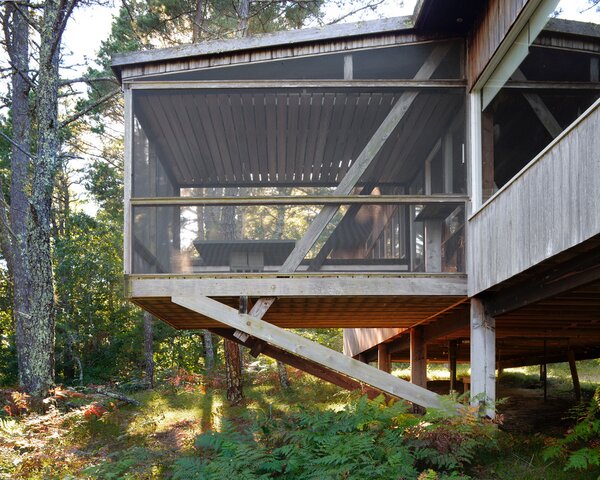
(428, 183)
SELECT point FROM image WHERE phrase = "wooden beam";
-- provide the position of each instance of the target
(301, 200)
(574, 374)
(308, 286)
(540, 108)
(483, 357)
(418, 357)
(567, 276)
(309, 367)
(302, 347)
(362, 162)
(456, 321)
(488, 185)
(384, 360)
(416, 83)
(128, 183)
(585, 353)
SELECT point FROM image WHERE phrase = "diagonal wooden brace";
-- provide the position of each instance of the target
(355, 172)
(304, 348)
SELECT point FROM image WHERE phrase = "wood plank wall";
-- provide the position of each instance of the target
(550, 206)
(488, 33)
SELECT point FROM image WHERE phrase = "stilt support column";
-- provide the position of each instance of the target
(452, 350)
(418, 357)
(384, 359)
(483, 357)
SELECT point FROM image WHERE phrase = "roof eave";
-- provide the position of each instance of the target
(306, 35)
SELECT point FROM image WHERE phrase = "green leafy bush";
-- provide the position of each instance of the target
(580, 448)
(367, 439)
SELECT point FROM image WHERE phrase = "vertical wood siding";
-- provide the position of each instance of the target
(552, 205)
(488, 33)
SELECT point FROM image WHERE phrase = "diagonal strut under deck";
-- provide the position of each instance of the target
(290, 347)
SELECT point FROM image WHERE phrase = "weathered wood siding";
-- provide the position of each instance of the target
(278, 52)
(488, 34)
(550, 206)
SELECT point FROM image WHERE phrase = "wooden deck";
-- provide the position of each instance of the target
(313, 301)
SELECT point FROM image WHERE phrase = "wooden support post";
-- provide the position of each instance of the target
(418, 357)
(362, 357)
(452, 352)
(483, 357)
(487, 146)
(348, 67)
(574, 375)
(384, 359)
(543, 379)
(433, 246)
(594, 69)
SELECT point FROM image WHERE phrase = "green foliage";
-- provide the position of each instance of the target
(366, 439)
(126, 465)
(8, 352)
(580, 448)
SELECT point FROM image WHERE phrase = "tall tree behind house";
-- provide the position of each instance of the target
(26, 215)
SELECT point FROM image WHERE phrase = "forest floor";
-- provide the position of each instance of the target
(98, 437)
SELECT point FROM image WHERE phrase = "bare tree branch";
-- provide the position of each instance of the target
(71, 81)
(89, 108)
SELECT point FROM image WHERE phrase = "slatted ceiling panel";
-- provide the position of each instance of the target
(403, 160)
(403, 134)
(239, 133)
(175, 143)
(304, 138)
(278, 104)
(400, 136)
(325, 121)
(147, 119)
(294, 163)
(315, 110)
(437, 115)
(224, 123)
(355, 131)
(191, 134)
(248, 112)
(304, 119)
(337, 166)
(209, 154)
(323, 164)
(271, 110)
(218, 132)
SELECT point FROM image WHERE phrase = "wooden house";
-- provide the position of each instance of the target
(429, 183)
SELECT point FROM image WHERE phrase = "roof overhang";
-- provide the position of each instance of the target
(269, 40)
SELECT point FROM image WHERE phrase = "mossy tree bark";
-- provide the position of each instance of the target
(25, 230)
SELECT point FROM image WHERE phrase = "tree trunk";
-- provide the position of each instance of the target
(284, 380)
(32, 183)
(198, 21)
(244, 13)
(209, 350)
(149, 349)
(235, 393)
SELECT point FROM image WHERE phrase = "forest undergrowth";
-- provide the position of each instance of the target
(184, 429)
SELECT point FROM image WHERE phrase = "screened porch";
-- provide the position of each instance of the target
(349, 162)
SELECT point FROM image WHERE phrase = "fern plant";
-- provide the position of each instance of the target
(367, 439)
(580, 448)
